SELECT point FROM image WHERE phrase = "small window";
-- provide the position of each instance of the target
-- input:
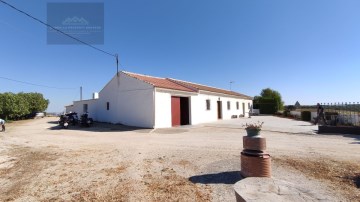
(85, 108)
(208, 104)
(107, 105)
(237, 105)
(249, 105)
(228, 105)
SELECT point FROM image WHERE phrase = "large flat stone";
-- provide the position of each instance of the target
(270, 189)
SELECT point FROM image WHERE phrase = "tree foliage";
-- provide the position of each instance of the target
(16, 106)
(269, 93)
(269, 101)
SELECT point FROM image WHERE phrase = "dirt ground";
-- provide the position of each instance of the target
(41, 162)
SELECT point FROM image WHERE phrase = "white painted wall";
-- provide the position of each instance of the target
(69, 108)
(162, 110)
(295, 113)
(131, 102)
(78, 107)
(201, 115)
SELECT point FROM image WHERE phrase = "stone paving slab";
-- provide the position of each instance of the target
(270, 189)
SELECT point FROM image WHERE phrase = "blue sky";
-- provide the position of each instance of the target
(307, 50)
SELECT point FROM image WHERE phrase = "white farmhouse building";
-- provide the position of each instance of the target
(152, 102)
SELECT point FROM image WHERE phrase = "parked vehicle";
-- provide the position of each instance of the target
(73, 118)
(34, 115)
(85, 120)
(67, 119)
(39, 115)
(64, 121)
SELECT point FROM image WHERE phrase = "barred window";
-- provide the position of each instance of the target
(207, 104)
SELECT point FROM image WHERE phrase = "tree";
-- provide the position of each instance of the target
(269, 93)
(269, 101)
(37, 103)
(16, 106)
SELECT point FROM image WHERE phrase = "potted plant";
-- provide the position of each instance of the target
(253, 129)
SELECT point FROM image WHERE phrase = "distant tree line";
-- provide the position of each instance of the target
(19, 106)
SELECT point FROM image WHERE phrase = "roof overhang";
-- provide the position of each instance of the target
(175, 92)
(223, 95)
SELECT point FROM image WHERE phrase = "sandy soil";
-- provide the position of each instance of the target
(41, 162)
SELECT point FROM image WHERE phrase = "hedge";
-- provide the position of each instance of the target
(306, 115)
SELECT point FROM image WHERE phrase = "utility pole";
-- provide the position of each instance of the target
(231, 82)
(117, 64)
(80, 93)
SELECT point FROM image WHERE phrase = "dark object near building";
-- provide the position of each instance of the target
(306, 116)
(85, 120)
(266, 105)
(67, 119)
(64, 121)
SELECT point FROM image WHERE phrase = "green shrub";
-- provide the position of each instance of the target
(306, 115)
(266, 105)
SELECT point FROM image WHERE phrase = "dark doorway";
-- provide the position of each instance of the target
(180, 111)
(219, 109)
(184, 111)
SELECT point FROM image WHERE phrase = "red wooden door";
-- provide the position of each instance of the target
(175, 111)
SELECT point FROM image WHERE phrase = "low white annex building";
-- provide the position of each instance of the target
(152, 102)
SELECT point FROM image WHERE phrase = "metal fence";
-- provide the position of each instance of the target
(339, 113)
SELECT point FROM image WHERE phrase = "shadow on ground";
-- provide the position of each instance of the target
(356, 138)
(100, 127)
(53, 122)
(230, 177)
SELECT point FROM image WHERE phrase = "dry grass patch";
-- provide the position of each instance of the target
(184, 163)
(117, 170)
(121, 192)
(173, 187)
(28, 165)
(339, 175)
(169, 186)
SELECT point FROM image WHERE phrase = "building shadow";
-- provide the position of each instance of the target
(53, 122)
(230, 177)
(99, 127)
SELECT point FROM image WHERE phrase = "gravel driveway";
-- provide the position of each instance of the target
(41, 162)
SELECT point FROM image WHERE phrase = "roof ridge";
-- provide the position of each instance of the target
(186, 86)
(201, 84)
(159, 82)
(126, 72)
(181, 85)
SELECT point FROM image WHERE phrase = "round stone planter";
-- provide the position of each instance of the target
(252, 132)
(256, 143)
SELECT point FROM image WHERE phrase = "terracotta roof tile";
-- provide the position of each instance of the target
(159, 82)
(211, 89)
(174, 84)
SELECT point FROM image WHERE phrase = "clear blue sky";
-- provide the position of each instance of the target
(307, 50)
